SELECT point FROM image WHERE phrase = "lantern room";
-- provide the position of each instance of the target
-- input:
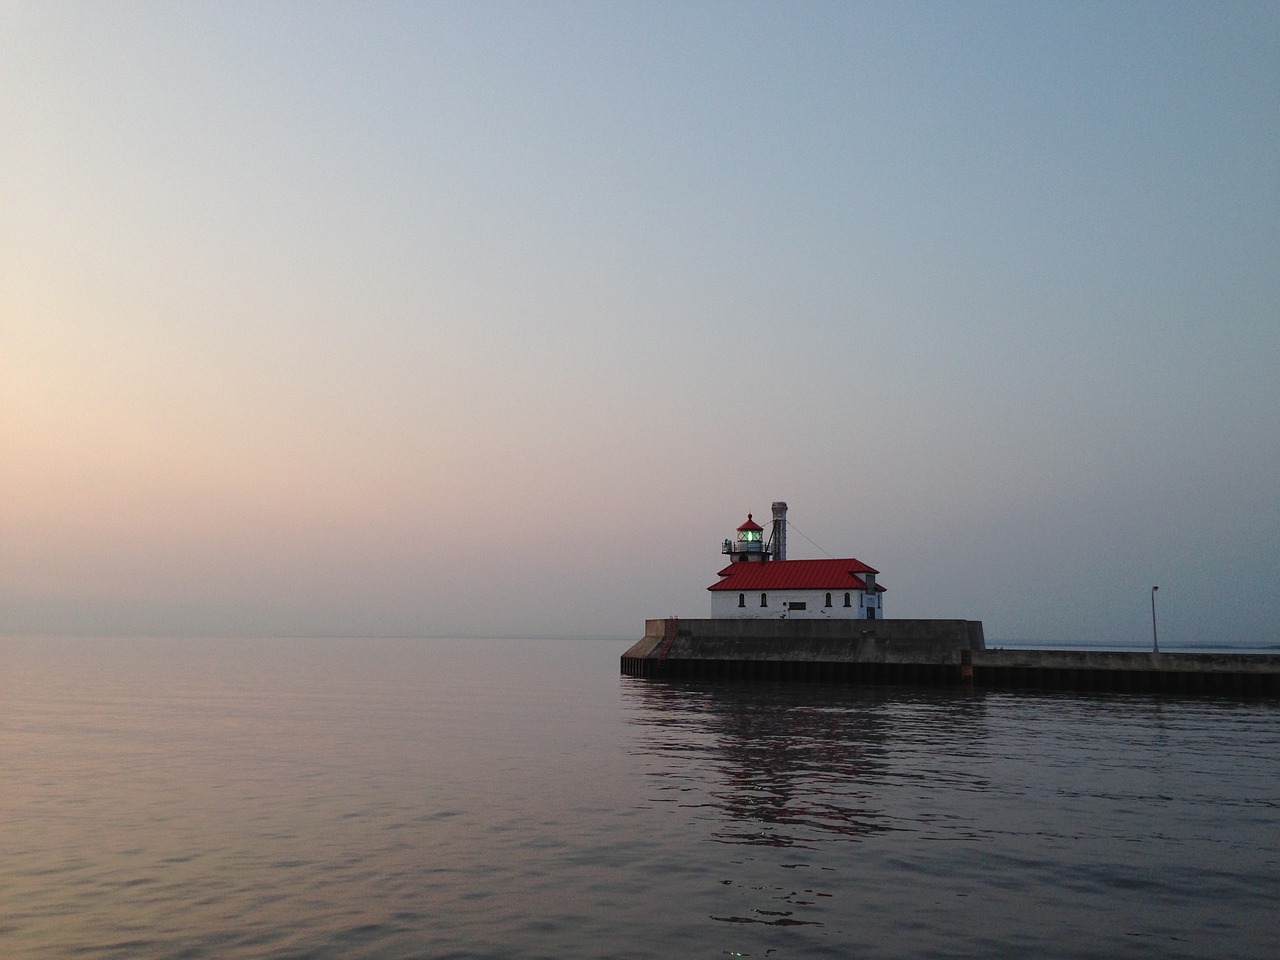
(749, 544)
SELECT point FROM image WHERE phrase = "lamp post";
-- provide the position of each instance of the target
(1155, 643)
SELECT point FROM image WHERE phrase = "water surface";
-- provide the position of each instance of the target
(411, 798)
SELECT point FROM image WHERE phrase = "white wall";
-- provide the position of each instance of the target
(724, 603)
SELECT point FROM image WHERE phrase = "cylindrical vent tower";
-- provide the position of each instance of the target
(779, 532)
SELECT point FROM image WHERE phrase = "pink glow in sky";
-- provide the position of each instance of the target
(460, 319)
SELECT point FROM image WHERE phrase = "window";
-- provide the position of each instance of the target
(828, 603)
(742, 599)
(797, 605)
(764, 599)
(848, 602)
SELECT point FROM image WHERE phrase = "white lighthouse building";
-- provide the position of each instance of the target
(761, 583)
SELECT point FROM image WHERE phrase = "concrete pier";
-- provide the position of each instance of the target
(1243, 674)
(933, 652)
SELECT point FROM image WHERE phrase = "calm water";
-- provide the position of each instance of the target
(397, 799)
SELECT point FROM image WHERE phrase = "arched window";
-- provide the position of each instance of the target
(828, 603)
(764, 599)
(848, 601)
(742, 599)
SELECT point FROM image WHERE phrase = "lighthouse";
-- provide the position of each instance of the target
(749, 544)
(761, 583)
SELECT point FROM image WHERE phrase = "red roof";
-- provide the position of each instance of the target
(795, 575)
(750, 524)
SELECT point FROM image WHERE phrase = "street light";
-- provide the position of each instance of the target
(1155, 643)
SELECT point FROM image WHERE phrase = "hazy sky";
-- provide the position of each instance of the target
(496, 319)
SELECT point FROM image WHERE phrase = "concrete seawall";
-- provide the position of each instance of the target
(836, 650)
(1250, 674)
(934, 652)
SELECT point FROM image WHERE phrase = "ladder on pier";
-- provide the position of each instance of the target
(668, 639)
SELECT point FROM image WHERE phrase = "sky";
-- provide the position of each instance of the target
(495, 319)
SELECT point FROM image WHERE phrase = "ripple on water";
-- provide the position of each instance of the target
(394, 799)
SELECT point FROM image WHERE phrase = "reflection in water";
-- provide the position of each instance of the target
(894, 821)
(794, 763)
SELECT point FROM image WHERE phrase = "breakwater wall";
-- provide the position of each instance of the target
(871, 651)
(933, 652)
(1234, 674)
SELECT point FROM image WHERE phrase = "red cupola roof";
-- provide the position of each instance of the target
(750, 525)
